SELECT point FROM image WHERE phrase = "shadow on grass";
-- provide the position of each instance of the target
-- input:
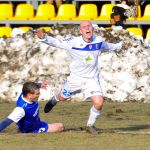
(133, 128)
(129, 130)
(112, 130)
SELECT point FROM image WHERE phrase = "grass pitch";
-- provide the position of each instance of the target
(122, 126)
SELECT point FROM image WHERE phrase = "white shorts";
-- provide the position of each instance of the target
(76, 84)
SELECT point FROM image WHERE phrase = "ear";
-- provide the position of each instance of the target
(29, 96)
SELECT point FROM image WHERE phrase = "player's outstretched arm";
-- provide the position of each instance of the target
(112, 47)
(15, 116)
(5, 123)
(52, 41)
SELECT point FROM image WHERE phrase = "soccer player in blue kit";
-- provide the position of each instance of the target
(26, 112)
(84, 73)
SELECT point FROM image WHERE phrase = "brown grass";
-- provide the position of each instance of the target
(123, 126)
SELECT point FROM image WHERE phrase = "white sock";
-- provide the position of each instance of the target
(94, 114)
(56, 98)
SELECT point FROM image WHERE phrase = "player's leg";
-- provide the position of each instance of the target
(94, 92)
(50, 104)
(61, 96)
(98, 102)
(55, 127)
(45, 127)
(53, 101)
(65, 93)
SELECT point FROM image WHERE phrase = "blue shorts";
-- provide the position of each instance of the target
(41, 127)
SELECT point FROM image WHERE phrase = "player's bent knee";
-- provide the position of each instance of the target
(61, 127)
(98, 104)
(61, 98)
(55, 127)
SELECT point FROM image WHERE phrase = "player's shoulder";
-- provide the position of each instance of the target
(18, 109)
(98, 38)
(20, 102)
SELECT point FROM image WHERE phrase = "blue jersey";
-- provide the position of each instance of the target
(31, 121)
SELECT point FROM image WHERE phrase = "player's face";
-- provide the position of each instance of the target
(86, 30)
(35, 95)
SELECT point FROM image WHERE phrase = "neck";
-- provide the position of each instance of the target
(88, 40)
(27, 99)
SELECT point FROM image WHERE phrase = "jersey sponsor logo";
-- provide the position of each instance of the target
(88, 59)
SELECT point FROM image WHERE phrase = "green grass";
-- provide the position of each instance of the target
(123, 127)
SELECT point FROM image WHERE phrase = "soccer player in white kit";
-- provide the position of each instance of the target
(84, 73)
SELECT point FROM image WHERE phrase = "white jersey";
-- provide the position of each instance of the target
(83, 55)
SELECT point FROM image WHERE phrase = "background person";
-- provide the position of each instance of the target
(118, 16)
(57, 2)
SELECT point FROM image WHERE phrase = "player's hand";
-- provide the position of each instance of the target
(44, 85)
(40, 33)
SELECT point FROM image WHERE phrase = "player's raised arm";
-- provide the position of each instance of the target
(51, 40)
(112, 47)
